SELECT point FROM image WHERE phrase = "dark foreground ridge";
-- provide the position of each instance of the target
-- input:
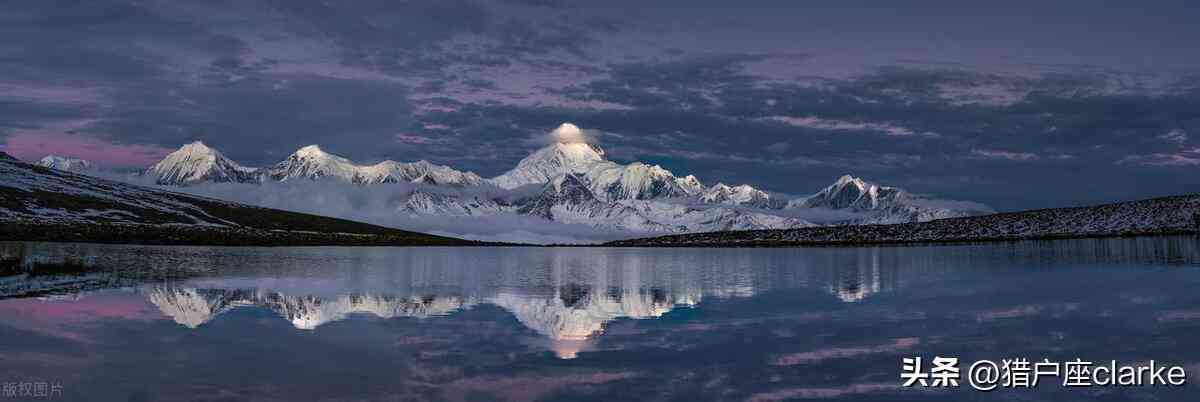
(41, 204)
(1157, 216)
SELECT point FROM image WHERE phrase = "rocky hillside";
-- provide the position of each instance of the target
(41, 203)
(1157, 216)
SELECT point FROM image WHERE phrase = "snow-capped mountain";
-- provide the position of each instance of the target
(550, 162)
(567, 199)
(313, 163)
(850, 192)
(430, 203)
(637, 181)
(195, 163)
(883, 204)
(738, 195)
(65, 163)
(571, 181)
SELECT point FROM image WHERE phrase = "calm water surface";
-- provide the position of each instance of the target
(123, 323)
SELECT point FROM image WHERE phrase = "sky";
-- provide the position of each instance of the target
(1016, 104)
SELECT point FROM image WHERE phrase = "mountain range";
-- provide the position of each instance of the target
(50, 203)
(571, 181)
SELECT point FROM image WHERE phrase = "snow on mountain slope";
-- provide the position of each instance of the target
(849, 192)
(38, 194)
(681, 217)
(568, 199)
(690, 185)
(738, 195)
(884, 205)
(65, 163)
(550, 162)
(39, 203)
(313, 163)
(416, 172)
(571, 181)
(1176, 215)
(636, 181)
(438, 204)
(196, 162)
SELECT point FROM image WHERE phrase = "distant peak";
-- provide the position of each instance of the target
(194, 146)
(310, 150)
(64, 163)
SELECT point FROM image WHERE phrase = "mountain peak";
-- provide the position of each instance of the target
(64, 163)
(310, 151)
(578, 151)
(742, 194)
(550, 162)
(195, 162)
(848, 179)
(850, 192)
(195, 148)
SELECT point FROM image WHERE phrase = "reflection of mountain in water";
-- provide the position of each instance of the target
(568, 317)
(856, 280)
(193, 307)
(577, 312)
(572, 313)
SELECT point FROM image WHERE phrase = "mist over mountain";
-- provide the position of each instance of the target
(565, 192)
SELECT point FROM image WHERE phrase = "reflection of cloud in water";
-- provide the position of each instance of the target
(823, 393)
(820, 355)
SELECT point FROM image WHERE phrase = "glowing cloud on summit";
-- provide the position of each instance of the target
(568, 133)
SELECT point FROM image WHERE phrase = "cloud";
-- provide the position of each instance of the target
(31, 145)
(1175, 135)
(1005, 155)
(469, 83)
(382, 205)
(778, 147)
(841, 125)
(568, 133)
(1183, 158)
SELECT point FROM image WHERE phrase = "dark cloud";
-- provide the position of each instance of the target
(971, 103)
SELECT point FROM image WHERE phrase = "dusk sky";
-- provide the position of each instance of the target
(1016, 104)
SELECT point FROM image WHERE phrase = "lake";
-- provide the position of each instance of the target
(131, 323)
